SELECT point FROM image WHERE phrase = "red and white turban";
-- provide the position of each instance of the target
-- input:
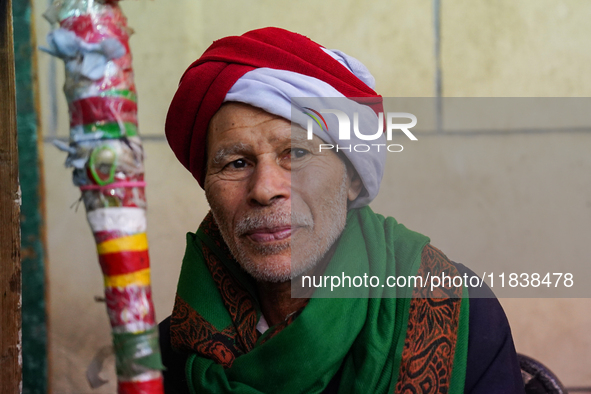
(268, 68)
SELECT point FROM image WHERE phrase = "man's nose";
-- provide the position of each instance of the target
(270, 182)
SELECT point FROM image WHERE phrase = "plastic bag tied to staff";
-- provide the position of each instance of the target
(106, 154)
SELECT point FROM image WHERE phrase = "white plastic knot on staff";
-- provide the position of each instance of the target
(81, 57)
(93, 372)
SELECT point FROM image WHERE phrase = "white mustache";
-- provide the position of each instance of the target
(272, 219)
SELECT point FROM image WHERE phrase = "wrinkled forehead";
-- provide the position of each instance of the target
(236, 126)
(238, 115)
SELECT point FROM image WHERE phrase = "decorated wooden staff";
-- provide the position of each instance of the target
(107, 156)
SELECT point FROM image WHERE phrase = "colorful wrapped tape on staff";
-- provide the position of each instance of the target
(106, 153)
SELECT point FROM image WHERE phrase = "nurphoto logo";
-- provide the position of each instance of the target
(345, 130)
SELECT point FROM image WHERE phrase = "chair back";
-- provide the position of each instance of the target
(537, 378)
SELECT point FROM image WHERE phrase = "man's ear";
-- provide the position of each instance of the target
(356, 185)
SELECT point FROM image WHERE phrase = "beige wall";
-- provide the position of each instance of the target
(522, 196)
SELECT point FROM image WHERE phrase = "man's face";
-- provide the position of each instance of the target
(271, 194)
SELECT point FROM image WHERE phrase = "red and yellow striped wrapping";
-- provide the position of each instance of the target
(125, 263)
(122, 247)
(126, 269)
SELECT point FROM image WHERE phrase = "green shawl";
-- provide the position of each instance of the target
(379, 345)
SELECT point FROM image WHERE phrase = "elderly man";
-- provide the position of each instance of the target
(280, 209)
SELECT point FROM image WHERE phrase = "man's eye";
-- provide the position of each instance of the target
(299, 153)
(240, 163)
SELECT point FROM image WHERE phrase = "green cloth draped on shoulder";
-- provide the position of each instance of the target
(381, 345)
